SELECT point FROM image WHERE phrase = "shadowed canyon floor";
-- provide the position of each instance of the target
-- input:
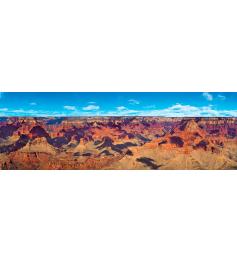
(118, 143)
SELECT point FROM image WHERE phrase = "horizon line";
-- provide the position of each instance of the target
(96, 116)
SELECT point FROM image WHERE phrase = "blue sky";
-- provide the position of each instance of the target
(118, 104)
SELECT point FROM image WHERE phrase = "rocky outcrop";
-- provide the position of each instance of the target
(118, 143)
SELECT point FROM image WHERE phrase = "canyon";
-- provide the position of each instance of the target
(117, 143)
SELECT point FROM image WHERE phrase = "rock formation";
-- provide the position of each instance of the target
(118, 143)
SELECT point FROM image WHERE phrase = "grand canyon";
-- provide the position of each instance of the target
(130, 143)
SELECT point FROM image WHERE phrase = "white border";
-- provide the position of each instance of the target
(118, 46)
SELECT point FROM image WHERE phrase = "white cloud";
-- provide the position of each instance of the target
(24, 111)
(91, 108)
(18, 111)
(179, 110)
(122, 111)
(91, 102)
(72, 108)
(208, 96)
(33, 104)
(130, 112)
(133, 102)
(121, 108)
(176, 110)
(31, 112)
(221, 97)
(3, 109)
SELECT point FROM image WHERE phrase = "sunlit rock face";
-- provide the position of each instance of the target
(118, 143)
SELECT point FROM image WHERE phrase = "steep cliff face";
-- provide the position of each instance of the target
(118, 143)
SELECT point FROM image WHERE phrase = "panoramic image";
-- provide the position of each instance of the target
(118, 130)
